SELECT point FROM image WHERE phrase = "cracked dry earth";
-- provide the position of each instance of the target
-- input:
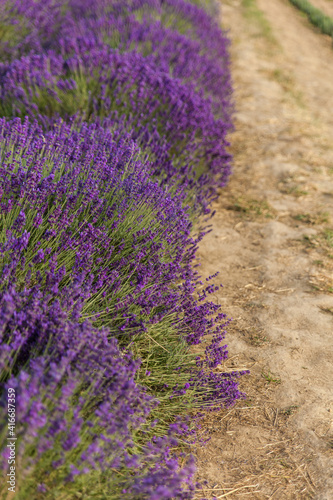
(272, 242)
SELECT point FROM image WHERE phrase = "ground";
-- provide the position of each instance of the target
(272, 242)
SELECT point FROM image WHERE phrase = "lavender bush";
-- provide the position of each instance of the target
(87, 26)
(171, 119)
(79, 210)
(79, 422)
(116, 143)
(174, 99)
(69, 199)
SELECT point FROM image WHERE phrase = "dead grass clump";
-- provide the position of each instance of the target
(254, 451)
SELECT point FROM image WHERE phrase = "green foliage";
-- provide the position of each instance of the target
(271, 378)
(211, 6)
(329, 237)
(316, 16)
(10, 34)
(253, 13)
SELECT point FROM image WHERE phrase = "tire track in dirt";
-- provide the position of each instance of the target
(272, 242)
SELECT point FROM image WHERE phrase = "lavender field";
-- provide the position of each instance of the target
(114, 117)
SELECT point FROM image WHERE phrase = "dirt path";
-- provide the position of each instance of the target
(272, 242)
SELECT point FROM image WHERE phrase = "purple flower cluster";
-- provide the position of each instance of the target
(88, 236)
(83, 221)
(85, 211)
(113, 139)
(160, 85)
(81, 364)
(199, 55)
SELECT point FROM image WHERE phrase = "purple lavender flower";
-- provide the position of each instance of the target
(96, 241)
(157, 94)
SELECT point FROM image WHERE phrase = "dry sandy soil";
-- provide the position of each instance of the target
(272, 242)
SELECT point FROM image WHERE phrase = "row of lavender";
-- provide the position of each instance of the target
(113, 142)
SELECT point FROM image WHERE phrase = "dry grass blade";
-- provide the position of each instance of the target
(277, 489)
(238, 489)
(151, 338)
